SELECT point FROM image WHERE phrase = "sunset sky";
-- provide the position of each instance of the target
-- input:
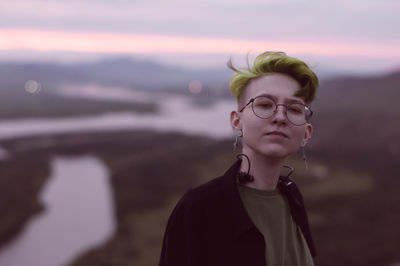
(353, 35)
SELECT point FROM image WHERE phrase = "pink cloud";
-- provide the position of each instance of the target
(92, 42)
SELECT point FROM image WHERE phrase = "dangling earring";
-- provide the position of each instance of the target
(239, 134)
(303, 153)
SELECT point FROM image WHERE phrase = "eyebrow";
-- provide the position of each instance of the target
(275, 98)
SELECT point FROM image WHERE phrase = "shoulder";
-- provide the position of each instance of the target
(197, 204)
(210, 199)
(207, 193)
(197, 213)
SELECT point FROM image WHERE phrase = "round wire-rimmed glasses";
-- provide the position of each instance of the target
(264, 107)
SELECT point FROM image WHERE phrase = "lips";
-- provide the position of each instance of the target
(277, 133)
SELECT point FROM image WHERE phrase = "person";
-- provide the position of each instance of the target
(252, 215)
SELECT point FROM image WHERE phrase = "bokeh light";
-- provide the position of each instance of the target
(32, 86)
(195, 87)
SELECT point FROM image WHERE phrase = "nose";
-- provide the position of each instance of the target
(279, 116)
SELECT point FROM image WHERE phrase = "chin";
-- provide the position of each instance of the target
(274, 154)
(270, 149)
(273, 151)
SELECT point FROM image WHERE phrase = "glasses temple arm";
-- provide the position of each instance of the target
(251, 100)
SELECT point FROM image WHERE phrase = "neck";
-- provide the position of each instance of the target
(265, 170)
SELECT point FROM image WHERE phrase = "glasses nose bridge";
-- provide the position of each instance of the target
(284, 109)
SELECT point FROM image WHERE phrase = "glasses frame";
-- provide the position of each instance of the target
(251, 101)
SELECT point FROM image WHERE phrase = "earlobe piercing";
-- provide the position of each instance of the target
(303, 153)
(239, 134)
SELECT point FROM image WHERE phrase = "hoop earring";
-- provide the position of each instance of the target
(303, 154)
(239, 134)
(244, 177)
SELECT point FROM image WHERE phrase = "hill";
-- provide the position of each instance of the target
(351, 210)
(121, 72)
(351, 188)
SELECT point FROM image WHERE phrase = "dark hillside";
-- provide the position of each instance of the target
(350, 211)
(351, 187)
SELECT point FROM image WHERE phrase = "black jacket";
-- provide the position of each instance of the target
(210, 226)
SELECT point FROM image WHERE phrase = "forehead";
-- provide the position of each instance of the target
(282, 86)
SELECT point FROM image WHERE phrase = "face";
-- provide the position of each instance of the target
(274, 137)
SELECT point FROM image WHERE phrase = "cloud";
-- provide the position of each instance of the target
(332, 29)
(79, 41)
(253, 19)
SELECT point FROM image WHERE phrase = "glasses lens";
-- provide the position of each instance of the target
(297, 113)
(263, 107)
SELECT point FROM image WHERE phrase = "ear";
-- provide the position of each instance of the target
(307, 134)
(235, 121)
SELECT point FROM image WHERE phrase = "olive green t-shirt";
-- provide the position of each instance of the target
(270, 213)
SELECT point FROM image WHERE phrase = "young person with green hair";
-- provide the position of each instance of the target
(252, 215)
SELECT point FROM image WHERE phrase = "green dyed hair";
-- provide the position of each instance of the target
(275, 62)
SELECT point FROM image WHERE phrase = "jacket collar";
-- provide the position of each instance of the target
(235, 205)
(243, 222)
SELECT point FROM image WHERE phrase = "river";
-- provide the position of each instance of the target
(79, 215)
(176, 113)
(77, 198)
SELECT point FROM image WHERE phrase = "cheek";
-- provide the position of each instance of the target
(298, 135)
(251, 126)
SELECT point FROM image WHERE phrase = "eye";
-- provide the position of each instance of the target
(264, 103)
(296, 108)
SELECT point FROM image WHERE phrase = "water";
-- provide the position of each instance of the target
(4, 154)
(78, 216)
(176, 114)
(78, 201)
(77, 197)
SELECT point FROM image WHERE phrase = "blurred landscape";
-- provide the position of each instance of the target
(350, 188)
